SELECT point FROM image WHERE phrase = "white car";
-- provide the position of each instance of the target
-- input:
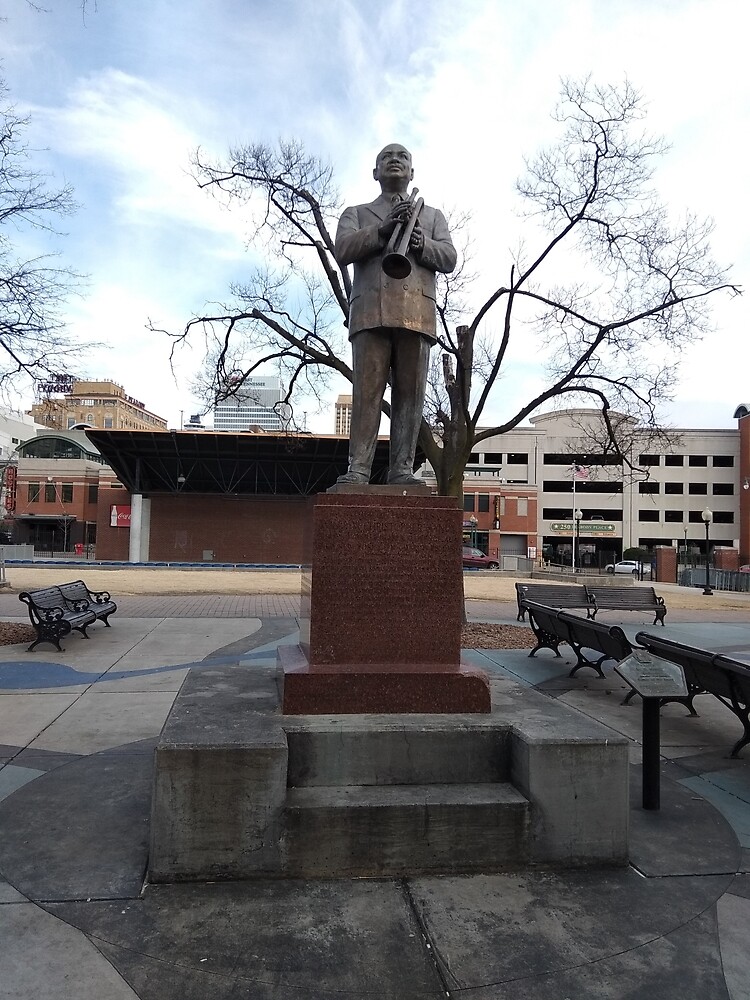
(628, 566)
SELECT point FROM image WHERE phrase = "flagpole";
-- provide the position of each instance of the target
(573, 520)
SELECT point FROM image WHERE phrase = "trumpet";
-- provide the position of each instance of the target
(395, 263)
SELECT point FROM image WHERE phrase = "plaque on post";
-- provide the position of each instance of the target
(654, 679)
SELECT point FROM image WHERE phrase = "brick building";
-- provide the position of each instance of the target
(102, 404)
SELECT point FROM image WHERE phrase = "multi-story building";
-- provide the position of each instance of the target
(60, 477)
(75, 402)
(15, 428)
(343, 416)
(656, 496)
(255, 405)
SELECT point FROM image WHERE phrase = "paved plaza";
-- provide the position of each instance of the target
(77, 732)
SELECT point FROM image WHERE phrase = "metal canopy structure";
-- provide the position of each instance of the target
(247, 464)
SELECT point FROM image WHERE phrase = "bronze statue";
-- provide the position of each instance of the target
(396, 246)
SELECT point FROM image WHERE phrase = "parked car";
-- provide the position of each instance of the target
(744, 569)
(476, 559)
(630, 567)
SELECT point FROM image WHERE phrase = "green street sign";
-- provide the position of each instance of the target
(584, 528)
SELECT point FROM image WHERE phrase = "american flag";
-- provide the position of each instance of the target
(579, 472)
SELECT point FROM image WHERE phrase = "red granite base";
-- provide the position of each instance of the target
(358, 689)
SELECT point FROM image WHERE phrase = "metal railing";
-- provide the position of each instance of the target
(718, 579)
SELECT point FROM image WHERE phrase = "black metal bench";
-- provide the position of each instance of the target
(552, 595)
(551, 627)
(99, 601)
(709, 673)
(53, 617)
(627, 599)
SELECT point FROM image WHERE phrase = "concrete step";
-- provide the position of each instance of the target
(405, 829)
(396, 750)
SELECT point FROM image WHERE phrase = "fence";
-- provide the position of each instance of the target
(718, 579)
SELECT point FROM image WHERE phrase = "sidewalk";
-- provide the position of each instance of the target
(77, 731)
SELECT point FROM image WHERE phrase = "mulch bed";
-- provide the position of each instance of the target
(12, 632)
(481, 635)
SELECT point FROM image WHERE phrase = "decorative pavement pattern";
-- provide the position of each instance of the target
(77, 731)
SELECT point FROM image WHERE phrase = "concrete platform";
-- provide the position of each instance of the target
(242, 791)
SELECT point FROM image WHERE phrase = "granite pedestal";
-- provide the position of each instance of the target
(382, 609)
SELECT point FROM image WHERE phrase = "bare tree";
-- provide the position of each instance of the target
(33, 341)
(609, 335)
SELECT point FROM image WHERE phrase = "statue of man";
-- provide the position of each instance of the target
(391, 320)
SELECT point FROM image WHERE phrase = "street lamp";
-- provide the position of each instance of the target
(577, 514)
(708, 517)
(685, 554)
(473, 522)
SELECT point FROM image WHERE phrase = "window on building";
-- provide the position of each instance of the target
(523, 506)
(33, 494)
(698, 461)
(648, 487)
(50, 494)
(483, 503)
(71, 422)
(557, 513)
(673, 488)
(518, 458)
(723, 461)
(87, 402)
(582, 488)
(723, 489)
(648, 460)
(66, 493)
(469, 499)
(493, 457)
(107, 423)
(15, 440)
(724, 516)
(674, 460)
(673, 515)
(89, 418)
(474, 458)
(694, 517)
(648, 515)
(93, 494)
(698, 489)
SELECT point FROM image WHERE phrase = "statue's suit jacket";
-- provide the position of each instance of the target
(377, 300)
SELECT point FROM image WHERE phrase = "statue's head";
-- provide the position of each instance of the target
(393, 169)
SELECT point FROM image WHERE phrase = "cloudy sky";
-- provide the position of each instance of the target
(121, 93)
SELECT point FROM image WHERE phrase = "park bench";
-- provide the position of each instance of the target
(99, 601)
(552, 595)
(551, 627)
(55, 614)
(627, 599)
(726, 679)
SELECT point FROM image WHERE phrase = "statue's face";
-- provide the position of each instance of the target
(393, 165)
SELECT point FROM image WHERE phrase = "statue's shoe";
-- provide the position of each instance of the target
(354, 477)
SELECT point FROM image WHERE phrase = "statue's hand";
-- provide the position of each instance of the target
(416, 242)
(398, 214)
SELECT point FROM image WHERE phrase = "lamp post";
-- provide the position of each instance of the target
(685, 531)
(707, 516)
(473, 522)
(577, 514)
